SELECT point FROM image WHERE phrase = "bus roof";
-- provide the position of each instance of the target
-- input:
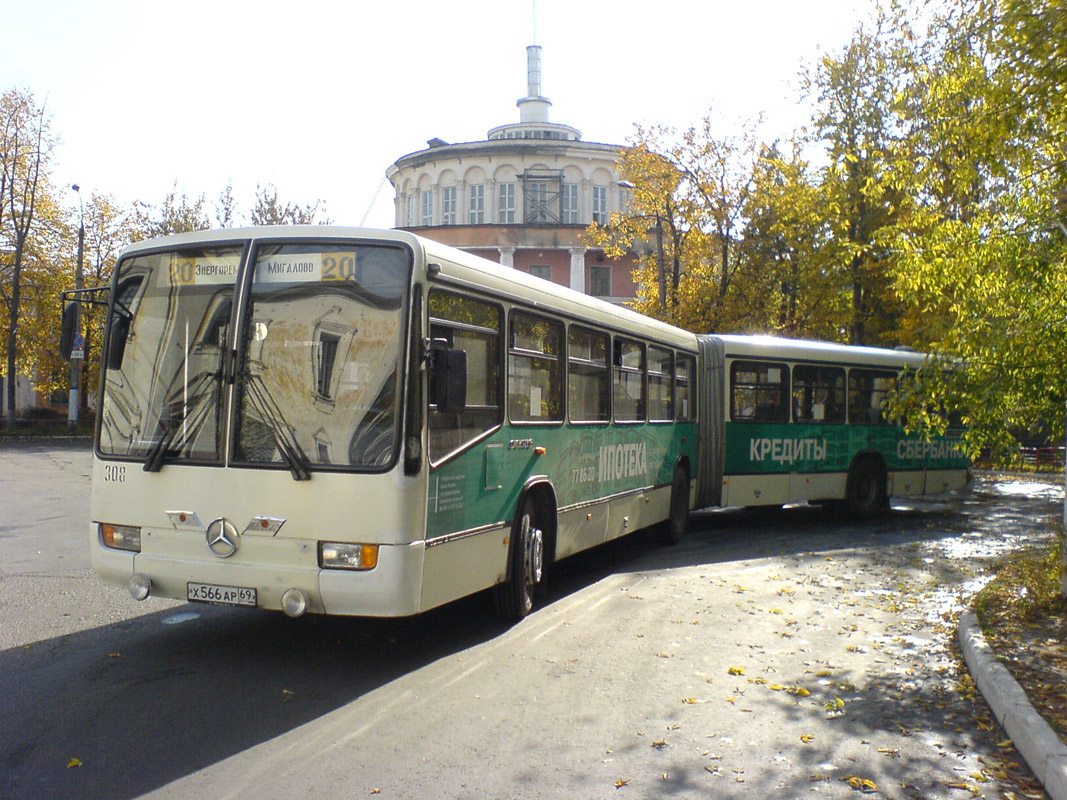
(828, 352)
(459, 269)
(467, 269)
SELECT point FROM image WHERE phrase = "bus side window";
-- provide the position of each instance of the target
(660, 384)
(818, 394)
(759, 392)
(628, 393)
(473, 326)
(535, 369)
(867, 390)
(588, 378)
(685, 402)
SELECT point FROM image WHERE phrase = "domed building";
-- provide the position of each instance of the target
(522, 197)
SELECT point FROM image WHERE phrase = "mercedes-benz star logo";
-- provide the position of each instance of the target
(222, 538)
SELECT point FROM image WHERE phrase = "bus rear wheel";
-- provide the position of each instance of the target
(513, 599)
(865, 493)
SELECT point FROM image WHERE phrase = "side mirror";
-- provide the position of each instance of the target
(448, 378)
(66, 335)
(116, 340)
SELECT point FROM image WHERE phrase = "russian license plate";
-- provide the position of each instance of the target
(224, 595)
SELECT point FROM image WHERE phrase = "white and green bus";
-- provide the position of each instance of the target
(803, 421)
(345, 421)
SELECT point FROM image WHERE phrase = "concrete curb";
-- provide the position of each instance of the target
(1033, 738)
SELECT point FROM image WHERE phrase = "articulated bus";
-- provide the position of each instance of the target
(804, 422)
(345, 421)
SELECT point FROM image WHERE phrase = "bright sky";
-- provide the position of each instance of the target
(320, 97)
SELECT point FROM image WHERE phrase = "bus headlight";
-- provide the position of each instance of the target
(341, 555)
(121, 537)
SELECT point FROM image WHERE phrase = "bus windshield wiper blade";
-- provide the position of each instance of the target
(288, 447)
(194, 415)
(157, 453)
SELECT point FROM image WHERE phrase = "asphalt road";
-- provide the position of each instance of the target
(773, 655)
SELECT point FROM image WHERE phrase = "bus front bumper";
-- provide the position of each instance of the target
(393, 588)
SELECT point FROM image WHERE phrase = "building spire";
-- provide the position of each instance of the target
(533, 107)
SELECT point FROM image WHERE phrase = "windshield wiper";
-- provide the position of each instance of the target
(189, 424)
(158, 451)
(288, 447)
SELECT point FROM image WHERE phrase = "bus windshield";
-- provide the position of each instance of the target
(314, 357)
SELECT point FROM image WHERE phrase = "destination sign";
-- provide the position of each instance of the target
(202, 271)
(306, 268)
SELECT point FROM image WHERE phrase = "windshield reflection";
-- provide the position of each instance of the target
(162, 392)
(319, 382)
(317, 357)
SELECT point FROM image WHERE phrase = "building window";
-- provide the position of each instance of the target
(600, 280)
(541, 197)
(476, 207)
(506, 206)
(412, 219)
(448, 205)
(600, 205)
(542, 271)
(536, 193)
(325, 359)
(427, 208)
(569, 209)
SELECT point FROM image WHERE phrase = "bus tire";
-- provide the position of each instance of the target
(865, 490)
(677, 525)
(513, 599)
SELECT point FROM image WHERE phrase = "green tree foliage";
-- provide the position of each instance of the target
(109, 227)
(926, 206)
(178, 213)
(856, 123)
(790, 283)
(269, 210)
(983, 243)
(689, 192)
(25, 148)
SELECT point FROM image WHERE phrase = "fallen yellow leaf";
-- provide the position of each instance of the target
(74, 763)
(736, 671)
(860, 784)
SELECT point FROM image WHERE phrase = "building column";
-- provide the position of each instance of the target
(490, 201)
(507, 256)
(577, 268)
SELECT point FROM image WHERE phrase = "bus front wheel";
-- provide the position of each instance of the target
(865, 493)
(513, 599)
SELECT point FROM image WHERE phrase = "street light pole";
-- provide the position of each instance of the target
(74, 400)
